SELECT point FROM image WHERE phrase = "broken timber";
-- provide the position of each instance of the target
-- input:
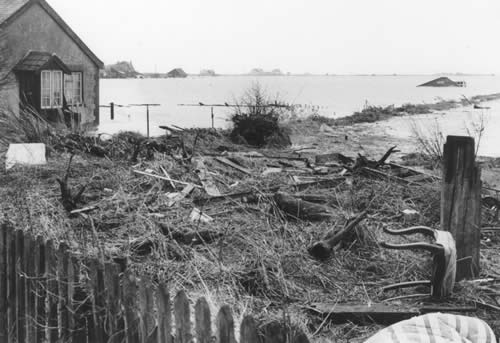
(300, 209)
(225, 161)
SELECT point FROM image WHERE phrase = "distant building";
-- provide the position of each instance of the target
(443, 82)
(207, 72)
(177, 72)
(46, 65)
(120, 70)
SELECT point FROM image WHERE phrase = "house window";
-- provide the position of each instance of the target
(73, 88)
(51, 89)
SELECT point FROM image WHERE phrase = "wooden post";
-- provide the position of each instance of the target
(21, 287)
(112, 110)
(461, 202)
(212, 116)
(147, 116)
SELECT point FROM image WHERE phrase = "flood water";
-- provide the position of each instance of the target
(331, 96)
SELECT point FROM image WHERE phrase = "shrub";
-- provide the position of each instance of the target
(256, 120)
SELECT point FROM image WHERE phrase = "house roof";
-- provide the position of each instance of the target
(37, 60)
(11, 9)
(440, 82)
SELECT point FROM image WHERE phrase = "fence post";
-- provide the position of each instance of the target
(112, 110)
(461, 202)
(130, 308)
(63, 281)
(248, 331)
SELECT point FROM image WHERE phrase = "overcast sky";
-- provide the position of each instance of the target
(316, 36)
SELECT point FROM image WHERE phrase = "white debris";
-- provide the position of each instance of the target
(410, 214)
(28, 154)
(198, 216)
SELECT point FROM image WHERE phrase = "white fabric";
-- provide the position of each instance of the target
(25, 154)
(436, 328)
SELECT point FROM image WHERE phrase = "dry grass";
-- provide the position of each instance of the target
(260, 263)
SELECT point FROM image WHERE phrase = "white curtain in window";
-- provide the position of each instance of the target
(45, 89)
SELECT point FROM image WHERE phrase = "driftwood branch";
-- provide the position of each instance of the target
(300, 209)
(322, 250)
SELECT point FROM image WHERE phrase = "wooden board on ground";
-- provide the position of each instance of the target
(225, 161)
(363, 314)
(206, 179)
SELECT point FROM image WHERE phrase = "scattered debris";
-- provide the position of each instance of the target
(234, 165)
(205, 178)
(181, 195)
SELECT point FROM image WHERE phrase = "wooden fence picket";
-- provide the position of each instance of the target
(11, 284)
(202, 321)
(248, 331)
(164, 314)
(130, 307)
(62, 282)
(3, 283)
(112, 286)
(20, 286)
(225, 325)
(182, 318)
(49, 295)
(29, 298)
(52, 291)
(40, 282)
(82, 324)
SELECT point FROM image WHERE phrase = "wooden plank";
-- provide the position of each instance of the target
(362, 314)
(11, 284)
(461, 202)
(130, 308)
(52, 291)
(70, 286)
(164, 178)
(202, 321)
(225, 326)
(248, 330)
(29, 266)
(225, 161)
(39, 258)
(182, 318)
(150, 318)
(164, 315)
(62, 283)
(206, 179)
(21, 288)
(3, 282)
(99, 304)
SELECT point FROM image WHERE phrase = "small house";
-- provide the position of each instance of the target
(443, 82)
(45, 66)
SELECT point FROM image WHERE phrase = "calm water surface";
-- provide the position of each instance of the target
(333, 96)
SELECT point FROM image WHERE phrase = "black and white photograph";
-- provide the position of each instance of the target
(266, 171)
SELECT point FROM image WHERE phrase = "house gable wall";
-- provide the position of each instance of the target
(35, 30)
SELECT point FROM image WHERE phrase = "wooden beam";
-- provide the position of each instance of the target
(225, 161)
(461, 202)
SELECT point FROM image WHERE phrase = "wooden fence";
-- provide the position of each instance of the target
(48, 294)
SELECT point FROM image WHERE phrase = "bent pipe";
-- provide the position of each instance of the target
(425, 230)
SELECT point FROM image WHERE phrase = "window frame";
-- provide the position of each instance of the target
(52, 88)
(74, 81)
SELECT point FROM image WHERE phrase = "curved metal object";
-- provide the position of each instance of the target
(425, 230)
(433, 248)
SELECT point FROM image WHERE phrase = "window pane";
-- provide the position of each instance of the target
(77, 88)
(45, 89)
(68, 88)
(56, 88)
